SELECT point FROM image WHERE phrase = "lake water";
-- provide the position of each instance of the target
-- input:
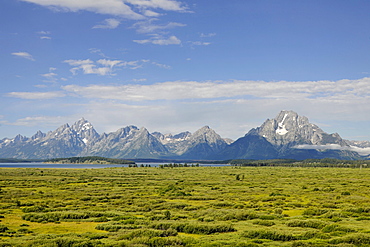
(83, 166)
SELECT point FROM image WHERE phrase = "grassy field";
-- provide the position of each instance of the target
(185, 206)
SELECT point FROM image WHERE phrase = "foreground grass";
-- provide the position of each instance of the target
(185, 206)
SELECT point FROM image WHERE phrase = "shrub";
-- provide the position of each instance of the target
(264, 223)
(336, 228)
(58, 216)
(306, 224)
(271, 235)
(314, 212)
(194, 228)
(108, 227)
(356, 239)
(3, 228)
(142, 233)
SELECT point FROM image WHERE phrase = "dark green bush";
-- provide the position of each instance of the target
(194, 228)
(3, 228)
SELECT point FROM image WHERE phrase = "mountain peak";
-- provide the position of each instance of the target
(288, 128)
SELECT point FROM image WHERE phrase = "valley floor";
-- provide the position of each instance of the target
(185, 206)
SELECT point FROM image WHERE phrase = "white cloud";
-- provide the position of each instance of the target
(335, 91)
(23, 54)
(164, 66)
(120, 8)
(170, 5)
(110, 7)
(150, 13)
(50, 77)
(44, 32)
(139, 80)
(147, 26)
(78, 62)
(207, 35)
(361, 151)
(109, 63)
(38, 121)
(232, 108)
(173, 40)
(108, 24)
(88, 66)
(199, 43)
(98, 51)
(104, 66)
(36, 95)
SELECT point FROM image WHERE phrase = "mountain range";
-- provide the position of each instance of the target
(288, 135)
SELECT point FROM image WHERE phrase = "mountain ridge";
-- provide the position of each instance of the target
(288, 135)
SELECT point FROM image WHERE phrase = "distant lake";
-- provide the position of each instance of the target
(84, 166)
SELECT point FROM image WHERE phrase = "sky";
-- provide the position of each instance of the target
(178, 65)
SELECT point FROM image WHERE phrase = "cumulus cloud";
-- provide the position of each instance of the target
(106, 66)
(173, 40)
(110, 7)
(36, 95)
(23, 54)
(89, 67)
(122, 8)
(108, 24)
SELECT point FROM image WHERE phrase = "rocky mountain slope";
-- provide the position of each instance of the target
(288, 135)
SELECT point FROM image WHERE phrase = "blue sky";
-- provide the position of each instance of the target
(172, 65)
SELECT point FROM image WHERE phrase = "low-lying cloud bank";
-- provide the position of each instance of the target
(360, 151)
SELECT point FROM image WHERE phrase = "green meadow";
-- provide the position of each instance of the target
(185, 206)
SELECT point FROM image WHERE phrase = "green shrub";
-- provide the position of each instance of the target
(271, 235)
(264, 222)
(194, 228)
(59, 216)
(314, 212)
(317, 224)
(35, 209)
(336, 228)
(356, 239)
(142, 233)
